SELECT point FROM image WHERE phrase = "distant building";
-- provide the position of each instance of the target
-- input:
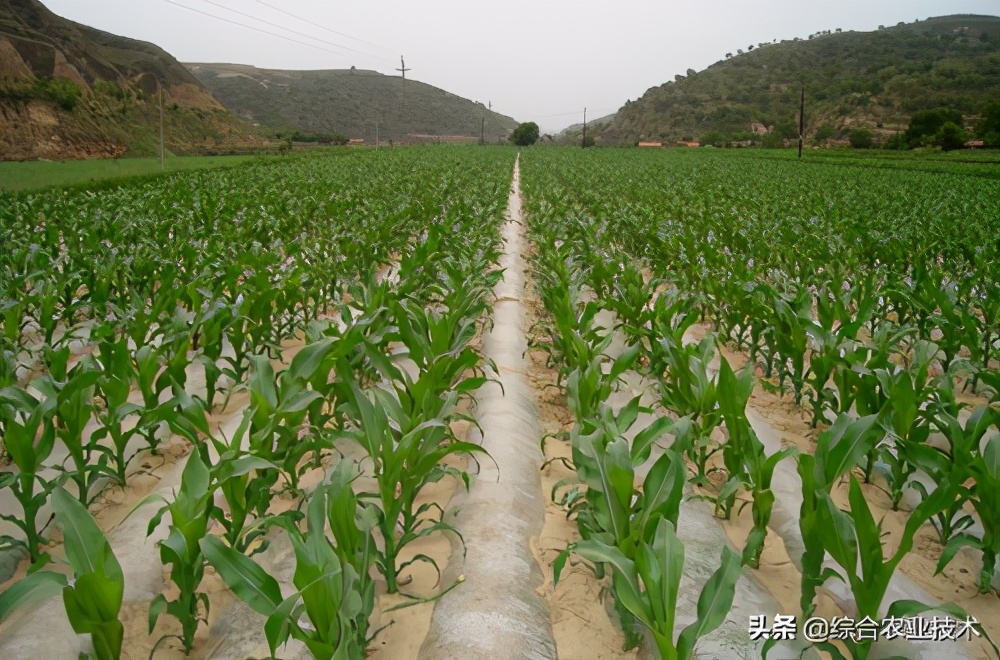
(650, 144)
(973, 144)
(356, 141)
(682, 143)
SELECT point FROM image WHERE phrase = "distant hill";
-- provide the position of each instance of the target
(574, 133)
(70, 91)
(346, 101)
(874, 79)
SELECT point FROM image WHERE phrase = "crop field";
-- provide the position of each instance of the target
(447, 402)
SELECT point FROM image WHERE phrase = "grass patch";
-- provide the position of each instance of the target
(32, 175)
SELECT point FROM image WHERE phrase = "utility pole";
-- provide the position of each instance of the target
(583, 142)
(376, 132)
(402, 68)
(802, 118)
(160, 84)
(482, 132)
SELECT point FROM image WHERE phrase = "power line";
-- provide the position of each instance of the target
(250, 27)
(275, 25)
(566, 114)
(322, 27)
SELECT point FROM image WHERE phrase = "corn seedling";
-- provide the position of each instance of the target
(648, 587)
(744, 457)
(29, 435)
(334, 591)
(190, 512)
(93, 597)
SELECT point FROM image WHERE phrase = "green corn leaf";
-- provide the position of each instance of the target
(87, 550)
(245, 577)
(30, 589)
(714, 603)
(626, 580)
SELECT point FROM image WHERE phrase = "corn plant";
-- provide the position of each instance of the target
(29, 435)
(113, 388)
(73, 391)
(985, 498)
(689, 390)
(334, 590)
(853, 540)
(607, 507)
(907, 392)
(190, 514)
(406, 453)
(835, 351)
(588, 386)
(244, 481)
(213, 322)
(953, 467)
(93, 598)
(792, 317)
(744, 457)
(648, 587)
(838, 450)
(280, 407)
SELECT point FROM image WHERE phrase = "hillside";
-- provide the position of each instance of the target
(574, 133)
(70, 91)
(874, 79)
(346, 101)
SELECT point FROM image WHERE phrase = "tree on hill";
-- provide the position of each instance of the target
(525, 134)
(988, 128)
(950, 137)
(925, 124)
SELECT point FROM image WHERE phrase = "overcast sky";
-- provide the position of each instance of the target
(540, 60)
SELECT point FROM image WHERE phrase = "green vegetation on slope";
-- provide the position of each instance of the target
(70, 91)
(875, 80)
(347, 101)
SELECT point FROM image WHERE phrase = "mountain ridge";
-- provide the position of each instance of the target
(873, 79)
(347, 101)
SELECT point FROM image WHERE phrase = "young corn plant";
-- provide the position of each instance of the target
(744, 456)
(609, 509)
(281, 405)
(985, 498)
(113, 388)
(689, 390)
(191, 512)
(29, 435)
(904, 419)
(853, 540)
(406, 454)
(953, 466)
(93, 598)
(648, 587)
(335, 592)
(243, 480)
(838, 450)
(73, 391)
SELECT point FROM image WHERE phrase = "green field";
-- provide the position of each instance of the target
(303, 360)
(31, 175)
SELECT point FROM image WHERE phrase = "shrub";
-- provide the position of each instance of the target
(861, 138)
(949, 137)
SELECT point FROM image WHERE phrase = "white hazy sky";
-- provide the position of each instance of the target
(541, 60)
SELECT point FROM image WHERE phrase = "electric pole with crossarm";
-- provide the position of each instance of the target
(402, 68)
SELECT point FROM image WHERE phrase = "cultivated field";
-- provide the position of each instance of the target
(367, 405)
